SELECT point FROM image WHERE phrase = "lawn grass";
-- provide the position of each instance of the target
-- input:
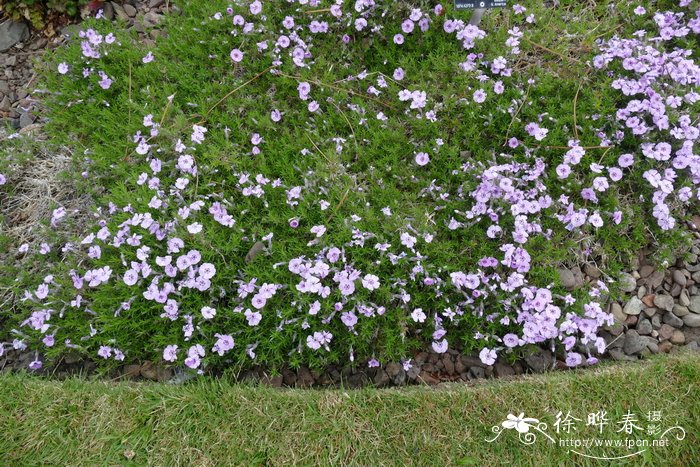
(216, 422)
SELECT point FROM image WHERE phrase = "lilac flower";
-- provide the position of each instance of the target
(148, 58)
(422, 159)
(479, 96)
(370, 282)
(63, 68)
(170, 353)
(487, 356)
(208, 312)
(236, 55)
(398, 39)
(223, 344)
(418, 316)
(256, 7)
(440, 346)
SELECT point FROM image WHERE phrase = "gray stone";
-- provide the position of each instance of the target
(119, 11)
(665, 302)
(655, 280)
(627, 282)
(12, 32)
(4, 86)
(152, 18)
(108, 11)
(592, 270)
(381, 379)
(634, 306)
(680, 310)
(5, 104)
(618, 354)
(694, 304)
(617, 312)
(396, 373)
(634, 343)
(644, 327)
(568, 281)
(673, 320)
(684, 298)
(692, 320)
(477, 372)
(26, 119)
(130, 10)
(155, 3)
(646, 271)
(679, 278)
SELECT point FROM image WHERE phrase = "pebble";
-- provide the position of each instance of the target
(684, 298)
(692, 320)
(567, 279)
(680, 310)
(646, 271)
(634, 343)
(635, 305)
(617, 312)
(678, 337)
(665, 302)
(12, 32)
(627, 283)
(679, 278)
(694, 304)
(673, 320)
(644, 327)
(666, 331)
(592, 270)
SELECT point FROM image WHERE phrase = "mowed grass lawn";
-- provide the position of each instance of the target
(215, 422)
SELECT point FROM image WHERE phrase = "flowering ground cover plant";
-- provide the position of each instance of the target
(353, 182)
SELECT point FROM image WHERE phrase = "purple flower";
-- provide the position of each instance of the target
(236, 55)
(398, 39)
(487, 356)
(422, 159)
(170, 353)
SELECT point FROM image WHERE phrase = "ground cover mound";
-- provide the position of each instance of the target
(354, 183)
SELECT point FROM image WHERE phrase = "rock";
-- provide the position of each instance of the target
(5, 104)
(646, 271)
(163, 375)
(592, 270)
(680, 310)
(693, 346)
(304, 378)
(634, 343)
(617, 312)
(627, 282)
(289, 377)
(655, 280)
(477, 372)
(11, 61)
(634, 306)
(673, 320)
(155, 3)
(692, 320)
(694, 304)
(12, 32)
(108, 11)
(644, 327)
(679, 278)
(254, 251)
(471, 361)
(678, 337)
(632, 320)
(148, 371)
(119, 11)
(503, 369)
(272, 381)
(26, 119)
(618, 354)
(413, 372)
(396, 373)
(676, 290)
(648, 300)
(665, 302)
(567, 279)
(131, 371)
(130, 10)
(656, 321)
(649, 312)
(665, 347)
(449, 364)
(427, 378)
(666, 331)
(381, 379)
(152, 18)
